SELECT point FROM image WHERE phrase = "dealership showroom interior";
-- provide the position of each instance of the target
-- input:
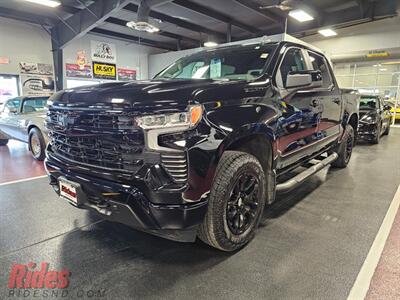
(200, 149)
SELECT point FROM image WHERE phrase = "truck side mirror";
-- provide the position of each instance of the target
(302, 79)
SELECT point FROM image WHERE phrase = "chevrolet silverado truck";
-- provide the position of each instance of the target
(202, 148)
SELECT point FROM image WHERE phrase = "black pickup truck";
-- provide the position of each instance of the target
(200, 150)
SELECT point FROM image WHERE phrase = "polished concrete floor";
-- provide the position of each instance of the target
(311, 244)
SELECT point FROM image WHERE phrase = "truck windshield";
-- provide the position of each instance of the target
(245, 63)
(368, 102)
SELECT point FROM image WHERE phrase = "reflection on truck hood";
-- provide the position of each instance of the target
(155, 92)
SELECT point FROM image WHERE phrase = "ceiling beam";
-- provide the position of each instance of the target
(253, 6)
(85, 20)
(206, 11)
(27, 17)
(179, 22)
(134, 39)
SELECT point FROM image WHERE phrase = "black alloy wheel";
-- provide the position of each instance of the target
(242, 206)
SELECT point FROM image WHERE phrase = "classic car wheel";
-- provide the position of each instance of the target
(236, 202)
(37, 144)
(3, 142)
(345, 148)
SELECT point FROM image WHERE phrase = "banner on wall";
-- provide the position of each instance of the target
(34, 85)
(35, 68)
(126, 74)
(37, 79)
(104, 71)
(103, 52)
(76, 71)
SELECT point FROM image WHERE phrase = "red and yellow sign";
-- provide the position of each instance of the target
(104, 71)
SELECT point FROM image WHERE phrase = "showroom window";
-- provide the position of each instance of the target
(372, 77)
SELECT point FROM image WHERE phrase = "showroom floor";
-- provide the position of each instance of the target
(312, 243)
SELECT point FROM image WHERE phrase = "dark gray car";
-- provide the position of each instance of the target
(22, 119)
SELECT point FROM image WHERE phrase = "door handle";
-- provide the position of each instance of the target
(336, 100)
(315, 103)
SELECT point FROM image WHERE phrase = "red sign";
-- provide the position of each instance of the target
(4, 60)
(77, 71)
(126, 74)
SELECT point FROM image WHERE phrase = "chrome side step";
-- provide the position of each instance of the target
(299, 178)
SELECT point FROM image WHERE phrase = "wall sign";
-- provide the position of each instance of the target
(81, 59)
(4, 60)
(76, 71)
(35, 68)
(126, 74)
(104, 71)
(36, 79)
(103, 52)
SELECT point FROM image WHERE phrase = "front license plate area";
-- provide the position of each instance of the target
(69, 191)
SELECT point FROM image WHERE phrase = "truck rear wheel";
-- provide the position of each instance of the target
(345, 148)
(235, 203)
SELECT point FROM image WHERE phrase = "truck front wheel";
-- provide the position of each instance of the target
(3, 142)
(345, 148)
(235, 203)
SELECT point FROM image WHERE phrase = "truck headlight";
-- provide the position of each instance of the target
(187, 119)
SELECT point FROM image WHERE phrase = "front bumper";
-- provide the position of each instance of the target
(127, 204)
(367, 131)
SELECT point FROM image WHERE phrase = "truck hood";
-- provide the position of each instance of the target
(172, 93)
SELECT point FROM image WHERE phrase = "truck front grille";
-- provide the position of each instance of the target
(176, 165)
(105, 139)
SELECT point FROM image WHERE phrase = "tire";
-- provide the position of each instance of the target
(37, 144)
(3, 142)
(377, 137)
(345, 148)
(219, 228)
(387, 129)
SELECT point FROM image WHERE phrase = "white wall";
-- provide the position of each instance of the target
(129, 55)
(23, 42)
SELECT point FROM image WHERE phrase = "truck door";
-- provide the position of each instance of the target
(329, 97)
(300, 112)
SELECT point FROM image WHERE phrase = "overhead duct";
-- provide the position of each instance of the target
(364, 56)
(142, 20)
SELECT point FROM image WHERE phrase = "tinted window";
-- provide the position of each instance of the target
(319, 64)
(34, 104)
(12, 105)
(292, 62)
(367, 102)
(245, 63)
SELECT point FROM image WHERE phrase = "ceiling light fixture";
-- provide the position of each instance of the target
(327, 32)
(210, 44)
(143, 26)
(50, 3)
(300, 15)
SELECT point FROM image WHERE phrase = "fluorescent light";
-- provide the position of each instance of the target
(50, 3)
(327, 32)
(300, 15)
(210, 44)
(383, 70)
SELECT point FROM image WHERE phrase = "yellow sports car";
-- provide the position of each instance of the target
(391, 104)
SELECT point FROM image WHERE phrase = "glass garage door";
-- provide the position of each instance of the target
(8, 87)
(373, 77)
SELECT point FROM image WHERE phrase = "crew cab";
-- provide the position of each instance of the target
(201, 149)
